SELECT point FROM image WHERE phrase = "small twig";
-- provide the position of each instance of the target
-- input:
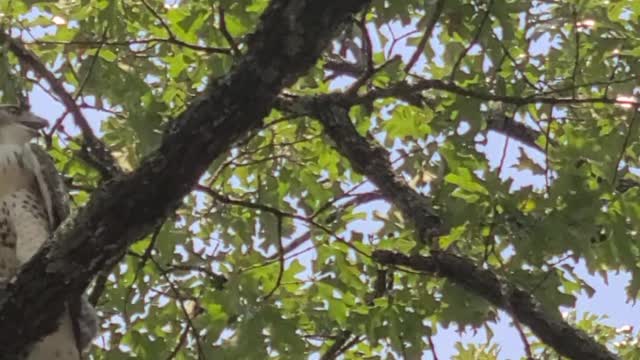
(225, 32)
(454, 70)
(432, 346)
(513, 60)
(129, 43)
(217, 279)
(624, 145)
(251, 205)
(56, 125)
(277, 212)
(397, 39)
(339, 68)
(280, 259)
(613, 75)
(163, 23)
(489, 245)
(367, 49)
(296, 243)
(179, 298)
(367, 45)
(523, 337)
(576, 32)
(334, 351)
(143, 261)
(180, 344)
(94, 60)
(504, 155)
(273, 260)
(405, 89)
(349, 345)
(546, 152)
(428, 32)
(98, 288)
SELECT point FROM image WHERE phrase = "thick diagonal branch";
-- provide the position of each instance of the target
(372, 161)
(288, 41)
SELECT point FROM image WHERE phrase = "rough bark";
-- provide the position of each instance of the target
(373, 161)
(287, 42)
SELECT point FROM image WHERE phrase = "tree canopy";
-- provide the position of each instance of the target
(315, 179)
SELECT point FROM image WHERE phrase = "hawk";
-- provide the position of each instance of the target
(33, 202)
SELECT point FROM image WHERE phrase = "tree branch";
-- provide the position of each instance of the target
(335, 348)
(428, 31)
(225, 32)
(555, 332)
(473, 42)
(129, 43)
(373, 161)
(405, 89)
(288, 41)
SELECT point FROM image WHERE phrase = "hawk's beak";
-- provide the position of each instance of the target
(34, 122)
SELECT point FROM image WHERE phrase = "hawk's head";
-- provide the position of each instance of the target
(19, 125)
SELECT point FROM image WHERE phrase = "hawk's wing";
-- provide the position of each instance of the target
(52, 188)
(58, 206)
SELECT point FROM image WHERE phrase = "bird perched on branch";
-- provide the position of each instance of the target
(33, 202)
